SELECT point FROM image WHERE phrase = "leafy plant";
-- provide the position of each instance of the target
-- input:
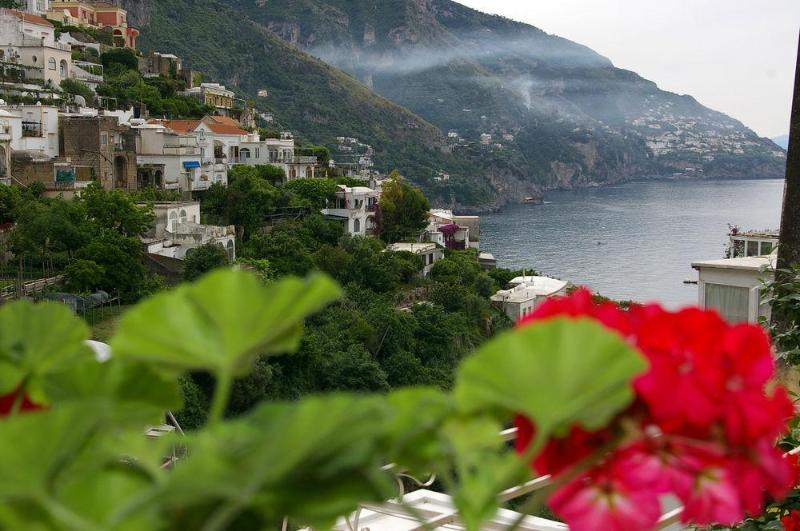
(86, 465)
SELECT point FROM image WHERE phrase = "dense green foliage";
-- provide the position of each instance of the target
(96, 237)
(85, 464)
(78, 88)
(403, 210)
(783, 295)
(203, 259)
(124, 83)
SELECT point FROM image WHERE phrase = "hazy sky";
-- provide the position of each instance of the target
(735, 56)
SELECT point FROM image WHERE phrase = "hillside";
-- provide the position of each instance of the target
(574, 117)
(497, 110)
(316, 101)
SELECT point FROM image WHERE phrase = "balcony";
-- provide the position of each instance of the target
(180, 150)
(199, 185)
(305, 160)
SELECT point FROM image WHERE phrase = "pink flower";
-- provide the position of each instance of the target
(712, 499)
(605, 504)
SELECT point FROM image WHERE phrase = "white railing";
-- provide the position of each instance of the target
(667, 519)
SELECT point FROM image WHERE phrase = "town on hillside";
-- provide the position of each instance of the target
(80, 106)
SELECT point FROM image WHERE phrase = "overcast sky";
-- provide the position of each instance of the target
(735, 56)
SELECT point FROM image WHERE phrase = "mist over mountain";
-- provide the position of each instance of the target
(507, 109)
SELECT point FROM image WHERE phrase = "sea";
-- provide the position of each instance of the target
(634, 241)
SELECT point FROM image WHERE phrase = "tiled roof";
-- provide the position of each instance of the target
(223, 125)
(33, 19)
(180, 126)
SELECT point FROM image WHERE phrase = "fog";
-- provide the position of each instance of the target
(736, 56)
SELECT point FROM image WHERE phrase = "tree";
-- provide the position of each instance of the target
(313, 193)
(9, 199)
(203, 259)
(119, 59)
(121, 259)
(789, 249)
(322, 153)
(77, 88)
(403, 210)
(10, 4)
(84, 276)
(245, 202)
(789, 246)
(116, 210)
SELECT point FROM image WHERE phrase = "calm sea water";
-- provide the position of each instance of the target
(634, 241)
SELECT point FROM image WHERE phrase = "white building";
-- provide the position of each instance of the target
(223, 142)
(36, 7)
(215, 95)
(734, 286)
(356, 207)
(29, 41)
(526, 294)
(172, 161)
(752, 243)
(177, 231)
(278, 152)
(453, 232)
(429, 252)
(32, 129)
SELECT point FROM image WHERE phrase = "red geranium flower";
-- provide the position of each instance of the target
(7, 402)
(707, 424)
(791, 522)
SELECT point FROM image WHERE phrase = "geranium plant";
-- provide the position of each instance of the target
(620, 407)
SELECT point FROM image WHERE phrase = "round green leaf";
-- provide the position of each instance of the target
(559, 373)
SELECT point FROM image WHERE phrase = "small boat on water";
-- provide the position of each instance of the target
(531, 200)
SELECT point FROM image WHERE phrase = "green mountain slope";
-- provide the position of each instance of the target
(575, 118)
(316, 101)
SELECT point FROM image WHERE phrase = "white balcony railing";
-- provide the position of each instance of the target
(448, 518)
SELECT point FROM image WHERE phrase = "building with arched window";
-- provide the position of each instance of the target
(177, 230)
(30, 39)
(96, 15)
(356, 207)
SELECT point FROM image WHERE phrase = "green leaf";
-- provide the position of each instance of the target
(312, 460)
(36, 339)
(222, 322)
(97, 497)
(134, 393)
(484, 465)
(559, 373)
(36, 447)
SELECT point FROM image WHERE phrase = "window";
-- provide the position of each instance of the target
(732, 302)
(63, 68)
(183, 216)
(51, 64)
(173, 221)
(738, 248)
(752, 248)
(356, 226)
(35, 59)
(766, 248)
(103, 139)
